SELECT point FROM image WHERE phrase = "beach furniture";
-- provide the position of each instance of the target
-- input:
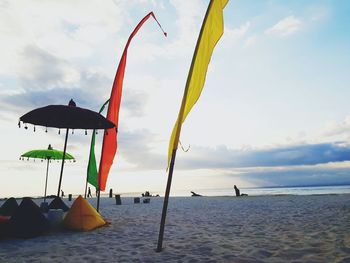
(55, 217)
(44, 207)
(9, 207)
(82, 216)
(118, 200)
(146, 200)
(58, 203)
(66, 117)
(136, 200)
(4, 226)
(28, 221)
(48, 155)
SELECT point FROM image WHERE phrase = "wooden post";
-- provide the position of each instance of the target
(165, 204)
(47, 172)
(64, 156)
(98, 200)
(118, 201)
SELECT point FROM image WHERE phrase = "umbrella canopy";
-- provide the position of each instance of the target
(49, 154)
(66, 116)
(63, 116)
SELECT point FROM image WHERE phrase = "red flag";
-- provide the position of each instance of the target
(109, 147)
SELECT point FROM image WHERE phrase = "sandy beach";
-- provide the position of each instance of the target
(204, 229)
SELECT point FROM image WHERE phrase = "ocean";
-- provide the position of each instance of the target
(262, 191)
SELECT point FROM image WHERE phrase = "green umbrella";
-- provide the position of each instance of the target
(49, 154)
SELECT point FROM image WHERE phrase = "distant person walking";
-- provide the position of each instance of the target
(89, 192)
(62, 193)
(237, 191)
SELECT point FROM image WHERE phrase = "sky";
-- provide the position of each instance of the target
(274, 110)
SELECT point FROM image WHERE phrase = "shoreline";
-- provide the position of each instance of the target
(178, 196)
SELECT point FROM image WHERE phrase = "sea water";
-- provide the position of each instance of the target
(259, 191)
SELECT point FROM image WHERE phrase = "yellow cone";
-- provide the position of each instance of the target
(82, 216)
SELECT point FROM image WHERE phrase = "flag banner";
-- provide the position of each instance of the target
(211, 31)
(109, 147)
(92, 177)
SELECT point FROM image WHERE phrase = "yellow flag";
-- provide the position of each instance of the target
(211, 31)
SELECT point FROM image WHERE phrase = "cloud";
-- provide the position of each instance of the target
(136, 147)
(285, 27)
(46, 83)
(250, 41)
(134, 102)
(341, 128)
(57, 28)
(335, 174)
(236, 33)
(41, 70)
(223, 157)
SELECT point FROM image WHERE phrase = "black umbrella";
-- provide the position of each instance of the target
(68, 117)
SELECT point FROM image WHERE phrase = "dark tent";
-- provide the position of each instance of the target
(9, 207)
(4, 226)
(28, 221)
(57, 203)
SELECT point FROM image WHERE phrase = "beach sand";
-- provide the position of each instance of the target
(203, 229)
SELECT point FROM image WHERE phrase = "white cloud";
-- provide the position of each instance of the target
(41, 70)
(232, 35)
(285, 27)
(250, 41)
(56, 27)
(340, 130)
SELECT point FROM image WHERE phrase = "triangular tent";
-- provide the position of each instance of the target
(4, 226)
(9, 207)
(28, 221)
(57, 203)
(82, 216)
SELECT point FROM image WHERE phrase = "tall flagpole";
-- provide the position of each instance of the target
(173, 155)
(166, 200)
(182, 115)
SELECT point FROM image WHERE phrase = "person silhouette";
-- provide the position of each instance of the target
(195, 194)
(237, 191)
(62, 193)
(89, 192)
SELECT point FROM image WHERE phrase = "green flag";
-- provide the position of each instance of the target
(92, 177)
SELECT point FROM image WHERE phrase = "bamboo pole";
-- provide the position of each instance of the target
(177, 134)
(64, 156)
(47, 173)
(98, 200)
(165, 204)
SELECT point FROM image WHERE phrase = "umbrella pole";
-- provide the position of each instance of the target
(98, 200)
(86, 185)
(165, 204)
(64, 155)
(47, 173)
